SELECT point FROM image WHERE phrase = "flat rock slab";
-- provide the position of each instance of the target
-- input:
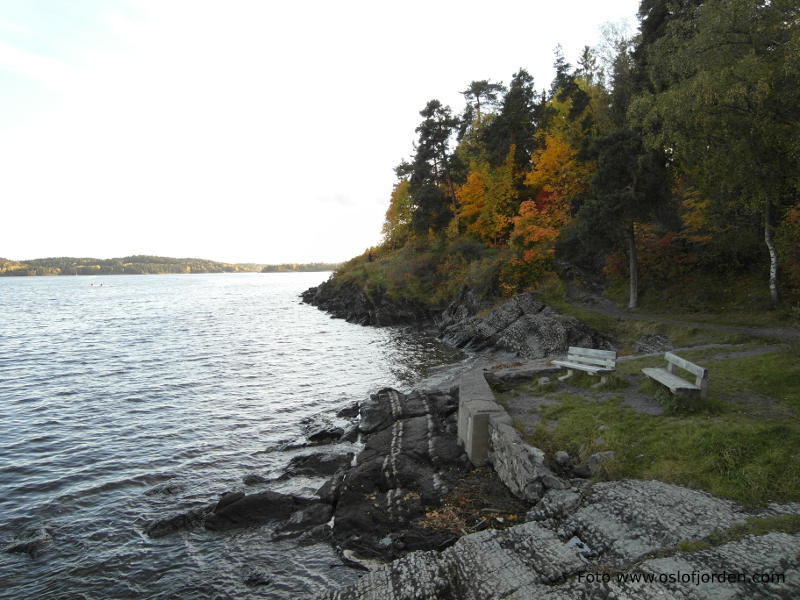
(481, 566)
(624, 520)
(621, 522)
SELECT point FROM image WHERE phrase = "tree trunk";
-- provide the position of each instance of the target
(633, 269)
(773, 256)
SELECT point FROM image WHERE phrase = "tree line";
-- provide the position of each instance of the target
(128, 265)
(671, 151)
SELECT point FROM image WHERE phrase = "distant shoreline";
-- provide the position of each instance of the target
(145, 265)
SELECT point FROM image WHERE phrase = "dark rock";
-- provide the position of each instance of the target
(228, 498)
(253, 509)
(350, 434)
(318, 464)
(329, 434)
(257, 577)
(409, 462)
(309, 517)
(349, 412)
(329, 492)
(192, 518)
(254, 479)
(319, 430)
(388, 405)
(32, 545)
(166, 488)
(525, 327)
(348, 301)
(464, 305)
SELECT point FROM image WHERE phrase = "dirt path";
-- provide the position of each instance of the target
(606, 307)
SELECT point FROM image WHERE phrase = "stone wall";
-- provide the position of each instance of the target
(486, 431)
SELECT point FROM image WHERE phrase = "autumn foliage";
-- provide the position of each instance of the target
(638, 155)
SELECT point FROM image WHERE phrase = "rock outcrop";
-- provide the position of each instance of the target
(522, 326)
(348, 301)
(599, 543)
(409, 462)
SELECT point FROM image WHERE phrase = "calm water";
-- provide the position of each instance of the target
(150, 395)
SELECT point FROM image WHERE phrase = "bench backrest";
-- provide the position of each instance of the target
(676, 361)
(590, 356)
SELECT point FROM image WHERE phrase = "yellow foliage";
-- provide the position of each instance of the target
(557, 170)
(485, 202)
(397, 227)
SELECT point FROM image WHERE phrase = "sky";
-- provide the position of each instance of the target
(240, 130)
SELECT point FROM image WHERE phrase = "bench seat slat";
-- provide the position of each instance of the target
(581, 367)
(673, 382)
(590, 360)
(607, 354)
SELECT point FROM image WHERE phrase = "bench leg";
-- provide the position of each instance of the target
(567, 376)
(603, 381)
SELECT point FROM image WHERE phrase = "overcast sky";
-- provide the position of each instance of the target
(240, 130)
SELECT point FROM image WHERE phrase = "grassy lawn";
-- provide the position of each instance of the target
(752, 461)
(731, 447)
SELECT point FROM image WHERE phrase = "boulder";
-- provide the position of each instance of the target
(317, 464)
(32, 544)
(160, 527)
(240, 510)
(525, 327)
(319, 430)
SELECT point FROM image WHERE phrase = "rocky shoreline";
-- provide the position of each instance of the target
(388, 506)
(575, 537)
(523, 326)
(371, 504)
(347, 301)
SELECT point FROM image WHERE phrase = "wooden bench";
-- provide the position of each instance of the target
(675, 383)
(590, 361)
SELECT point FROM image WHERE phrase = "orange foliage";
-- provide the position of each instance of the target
(538, 225)
(559, 178)
(557, 170)
(486, 201)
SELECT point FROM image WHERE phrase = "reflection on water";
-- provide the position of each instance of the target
(153, 394)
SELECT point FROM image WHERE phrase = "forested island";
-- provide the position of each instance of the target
(300, 268)
(663, 166)
(128, 265)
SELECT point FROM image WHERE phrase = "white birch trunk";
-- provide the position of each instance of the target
(773, 256)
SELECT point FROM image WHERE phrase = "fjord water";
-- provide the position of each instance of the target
(130, 398)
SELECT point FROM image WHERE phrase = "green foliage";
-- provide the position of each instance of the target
(427, 271)
(666, 157)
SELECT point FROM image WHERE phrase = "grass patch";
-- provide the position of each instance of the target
(626, 332)
(776, 375)
(748, 460)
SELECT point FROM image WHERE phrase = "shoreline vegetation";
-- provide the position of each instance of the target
(658, 170)
(145, 265)
(652, 178)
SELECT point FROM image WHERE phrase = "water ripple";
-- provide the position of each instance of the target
(194, 380)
